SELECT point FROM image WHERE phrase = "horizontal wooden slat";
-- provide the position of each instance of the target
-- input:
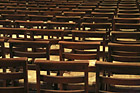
(62, 65)
(62, 91)
(30, 54)
(62, 79)
(12, 89)
(13, 75)
(79, 56)
(117, 81)
(8, 62)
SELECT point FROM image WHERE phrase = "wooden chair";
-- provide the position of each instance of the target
(52, 35)
(90, 4)
(15, 63)
(17, 2)
(97, 26)
(54, 13)
(14, 16)
(67, 6)
(105, 10)
(126, 23)
(108, 7)
(40, 17)
(30, 5)
(8, 4)
(47, 6)
(125, 37)
(95, 19)
(59, 9)
(29, 49)
(110, 15)
(134, 27)
(72, 3)
(6, 11)
(123, 52)
(119, 77)
(76, 19)
(68, 18)
(35, 12)
(37, 8)
(29, 24)
(13, 33)
(6, 23)
(87, 7)
(128, 11)
(16, 8)
(79, 50)
(128, 15)
(67, 13)
(62, 25)
(128, 2)
(88, 11)
(91, 36)
(127, 7)
(107, 3)
(62, 80)
(87, 19)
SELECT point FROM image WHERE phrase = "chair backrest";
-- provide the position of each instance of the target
(128, 7)
(85, 35)
(59, 9)
(6, 23)
(16, 8)
(43, 65)
(128, 11)
(13, 33)
(91, 36)
(118, 77)
(35, 12)
(30, 49)
(87, 7)
(62, 25)
(79, 50)
(28, 24)
(126, 23)
(128, 15)
(51, 12)
(68, 18)
(74, 13)
(124, 52)
(7, 11)
(108, 7)
(14, 16)
(105, 10)
(51, 34)
(40, 17)
(67, 6)
(37, 8)
(110, 15)
(21, 73)
(125, 37)
(96, 26)
(95, 19)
